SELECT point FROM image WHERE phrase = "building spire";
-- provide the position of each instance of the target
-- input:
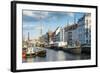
(28, 36)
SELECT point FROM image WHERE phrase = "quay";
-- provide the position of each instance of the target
(73, 50)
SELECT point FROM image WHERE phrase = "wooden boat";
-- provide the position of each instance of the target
(33, 52)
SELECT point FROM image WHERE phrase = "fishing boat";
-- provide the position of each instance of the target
(30, 52)
(33, 52)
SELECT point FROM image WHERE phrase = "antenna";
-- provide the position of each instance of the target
(74, 19)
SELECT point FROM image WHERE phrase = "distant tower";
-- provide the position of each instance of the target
(41, 30)
(28, 36)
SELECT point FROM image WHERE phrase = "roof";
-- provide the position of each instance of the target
(71, 27)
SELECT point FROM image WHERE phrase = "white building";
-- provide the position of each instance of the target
(59, 38)
(84, 29)
(70, 34)
(80, 33)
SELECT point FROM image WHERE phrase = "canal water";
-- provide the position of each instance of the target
(56, 55)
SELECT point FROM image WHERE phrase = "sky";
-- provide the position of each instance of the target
(34, 21)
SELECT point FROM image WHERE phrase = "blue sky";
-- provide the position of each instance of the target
(33, 20)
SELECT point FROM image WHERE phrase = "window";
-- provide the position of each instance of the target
(87, 22)
(86, 41)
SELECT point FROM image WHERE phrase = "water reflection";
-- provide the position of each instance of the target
(56, 55)
(61, 55)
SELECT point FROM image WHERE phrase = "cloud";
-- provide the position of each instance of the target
(37, 15)
(32, 27)
(71, 14)
(27, 13)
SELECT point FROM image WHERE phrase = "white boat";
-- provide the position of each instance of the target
(30, 50)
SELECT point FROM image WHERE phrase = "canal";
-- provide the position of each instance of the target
(56, 55)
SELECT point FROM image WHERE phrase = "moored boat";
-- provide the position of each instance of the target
(33, 52)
